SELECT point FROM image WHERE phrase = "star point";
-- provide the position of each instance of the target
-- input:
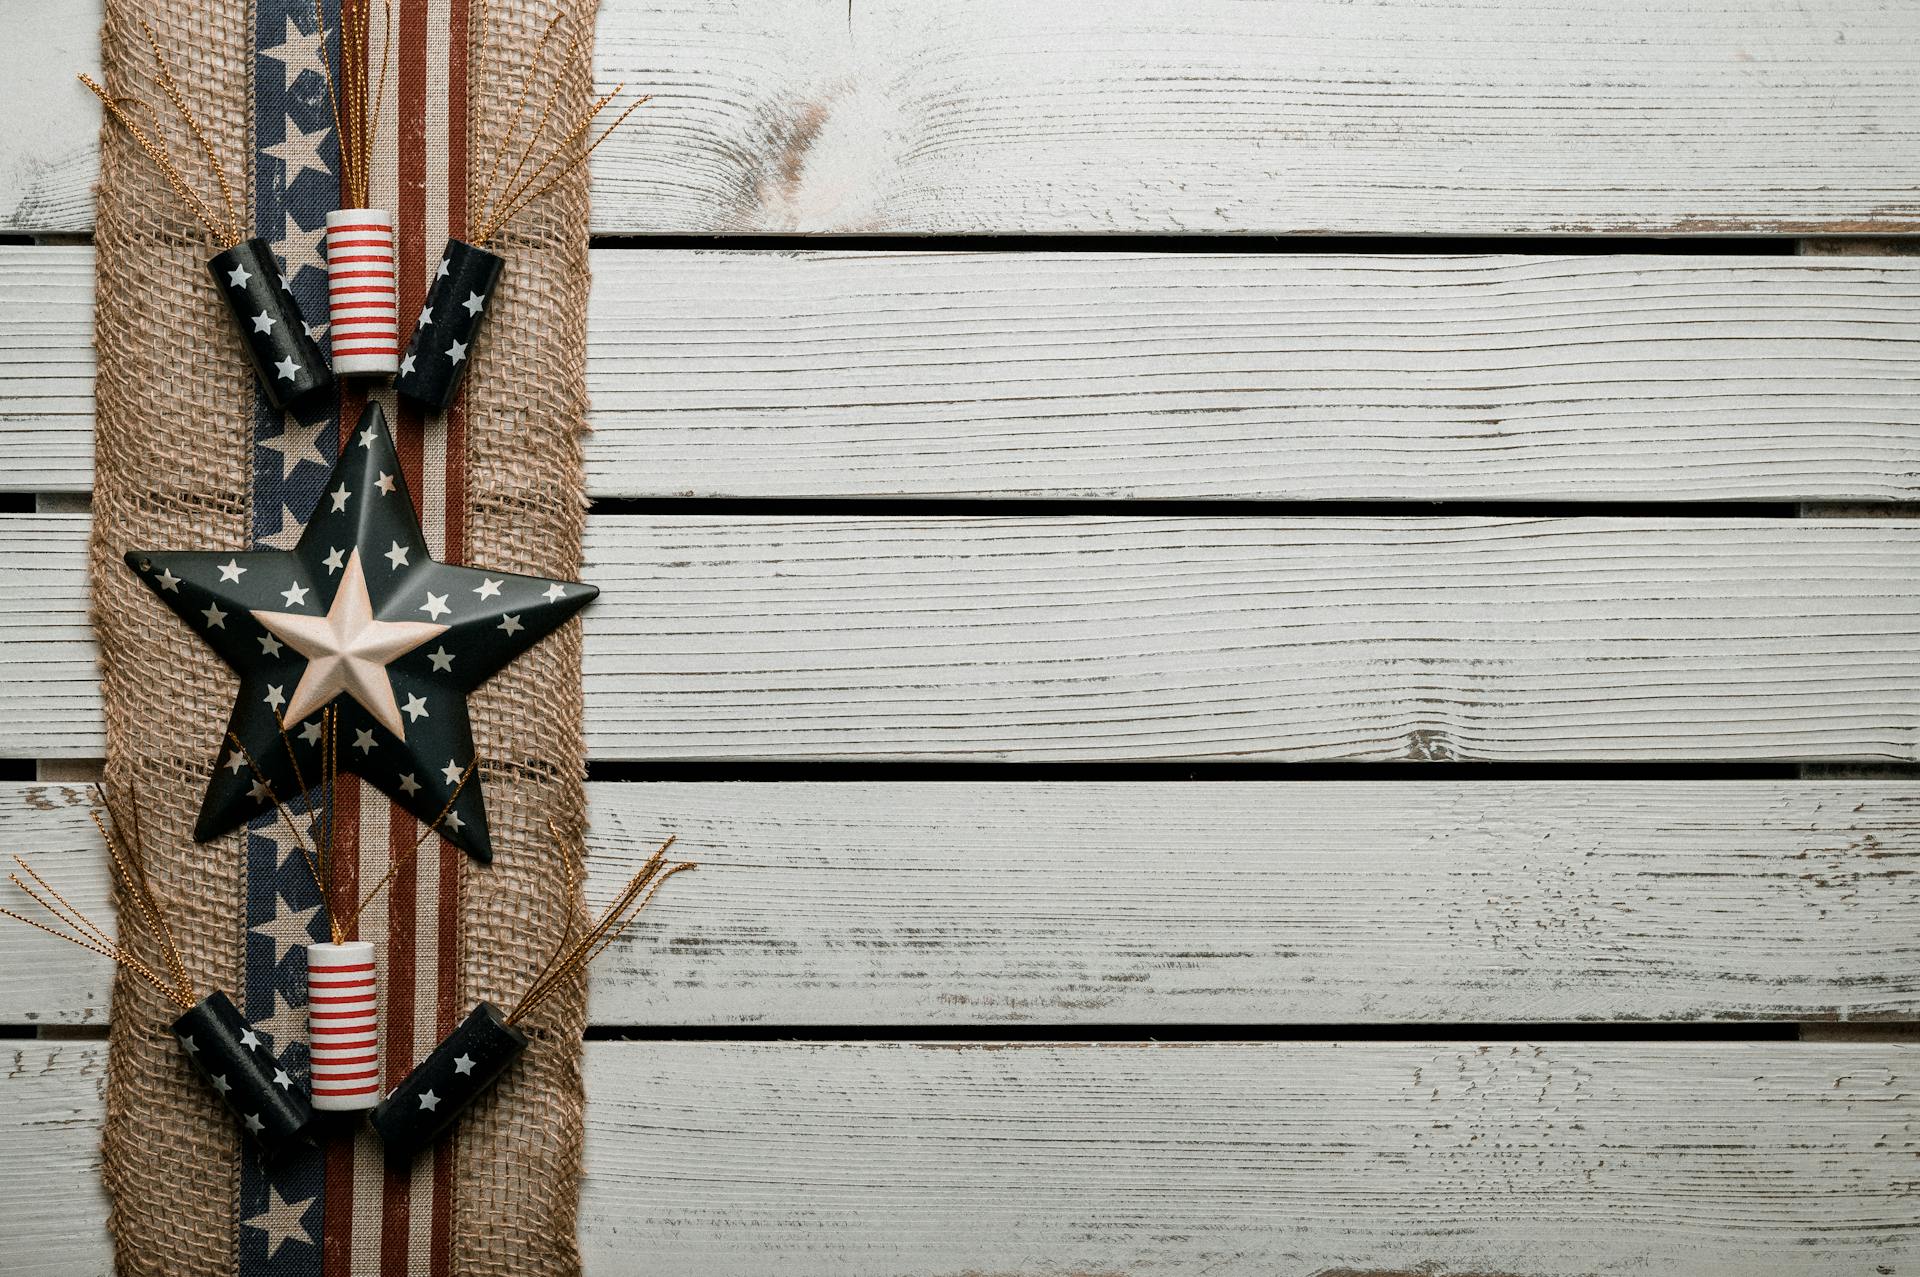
(473, 303)
(168, 581)
(216, 619)
(231, 570)
(457, 351)
(288, 369)
(363, 741)
(335, 560)
(397, 556)
(415, 709)
(263, 322)
(488, 587)
(339, 498)
(435, 606)
(238, 277)
(462, 1064)
(442, 660)
(384, 483)
(510, 625)
(429, 1101)
(295, 595)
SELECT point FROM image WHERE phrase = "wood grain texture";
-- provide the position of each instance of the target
(1133, 639)
(1244, 1160)
(1137, 903)
(1300, 116)
(1105, 375)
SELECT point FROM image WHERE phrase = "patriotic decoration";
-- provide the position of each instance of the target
(467, 1062)
(236, 1058)
(278, 339)
(343, 1018)
(437, 355)
(363, 304)
(359, 615)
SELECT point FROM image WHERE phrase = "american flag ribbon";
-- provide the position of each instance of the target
(339, 1211)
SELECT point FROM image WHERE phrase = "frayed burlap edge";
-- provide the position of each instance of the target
(172, 462)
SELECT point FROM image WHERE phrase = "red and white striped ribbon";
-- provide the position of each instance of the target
(363, 304)
(343, 1026)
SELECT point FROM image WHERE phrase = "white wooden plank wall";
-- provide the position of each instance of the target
(1192, 116)
(1354, 960)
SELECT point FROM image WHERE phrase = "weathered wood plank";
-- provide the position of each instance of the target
(1396, 116)
(1069, 375)
(1134, 903)
(890, 1159)
(1037, 639)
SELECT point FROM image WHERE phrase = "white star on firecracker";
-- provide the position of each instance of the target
(457, 351)
(263, 322)
(221, 1084)
(429, 1101)
(231, 570)
(250, 1040)
(463, 1064)
(254, 1123)
(288, 369)
(341, 658)
(186, 1040)
(406, 365)
(282, 1080)
(473, 303)
(426, 317)
(300, 152)
(238, 277)
(281, 1221)
(446, 264)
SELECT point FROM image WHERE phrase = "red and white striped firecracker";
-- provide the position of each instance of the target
(343, 1026)
(363, 303)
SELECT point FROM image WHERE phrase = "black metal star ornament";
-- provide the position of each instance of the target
(356, 615)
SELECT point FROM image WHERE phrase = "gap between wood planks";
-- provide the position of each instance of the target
(1755, 1031)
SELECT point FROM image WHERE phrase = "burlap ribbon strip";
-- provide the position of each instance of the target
(178, 439)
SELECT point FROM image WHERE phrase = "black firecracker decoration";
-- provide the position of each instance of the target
(356, 614)
(275, 334)
(466, 1063)
(238, 1063)
(438, 354)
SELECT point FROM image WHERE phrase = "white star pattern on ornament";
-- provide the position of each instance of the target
(488, 587)
(452, 772)
(462, 1064)
(446, 264)
(259, 792)
(406, 365)
(263, 322)
(295, 595)
(473, 303)
(288, 369)
(168, 581)
(310, 734)
(250, 1040)
(435, 606)
(275, 698)
(339, 498)
(509, 625)
(300, 152)
(452, 821)
(442, 660)
(363, 741)
(384, 483)
(238, 277)
(216, 619)
(397, 556)
(554, 593)
(335, 560)
(368, 438)
(231, 570)
(429, 1101)
(415, 709)
(221, 1084)
(409, 786)
(236, 762)
(457, 351)
(280, 1221)
(269, 645)
(348, 651)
